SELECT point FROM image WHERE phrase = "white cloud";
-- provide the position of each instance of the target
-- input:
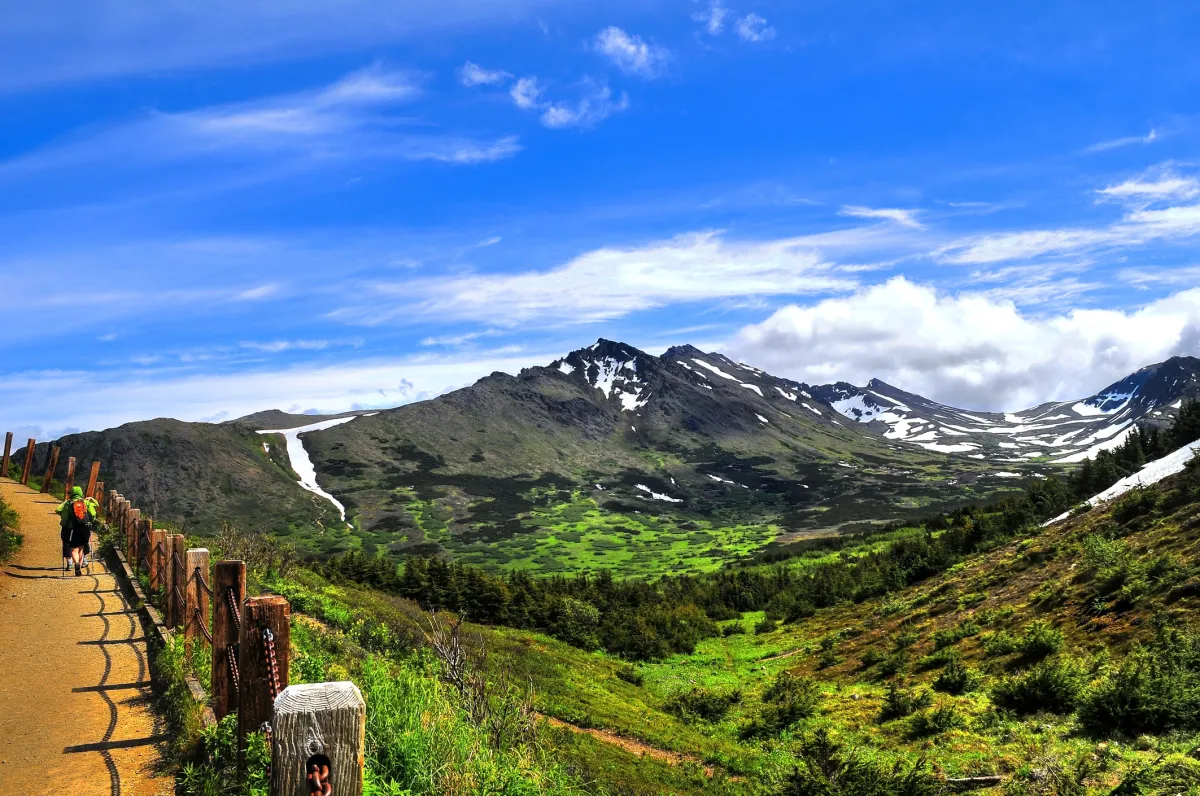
(593, 107)
(1115, 143)
(490, 241)
(631, 54)
(713, 17)
(907, 218)
(47, 402)
(472, 74)
(753, 27)
(611, 283)
(969, 350)
(526, 93)
(1165, 186)
(354, 118)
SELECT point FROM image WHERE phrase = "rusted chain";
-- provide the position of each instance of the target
(234, 674)
(175, 559)
(199, 619)
(199, 576)
(233, 609)
(179, 595)
(318, 780)
(272, 662)
(265, 729)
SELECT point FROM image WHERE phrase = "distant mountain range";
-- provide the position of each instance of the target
(675, 457)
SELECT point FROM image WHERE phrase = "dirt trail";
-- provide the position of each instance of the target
(74, 676)
(632, 745)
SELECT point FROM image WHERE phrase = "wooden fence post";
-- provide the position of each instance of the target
(229, 590)
(93, 480)
(51, 466)
(70, 482)
(7, 454)
(98, 493)
(322, 725)
(196, 604)
(157, 558)
(28, 461)
(132, 516)
(262, 663)
(176, 549)
(145, 529)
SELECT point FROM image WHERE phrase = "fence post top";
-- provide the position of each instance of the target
(319, 698)
(198, 550)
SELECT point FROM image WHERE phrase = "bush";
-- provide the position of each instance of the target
(1040, 639)
(702, 703)
(945, 638)
(786, 701)
(957, 678)
(736, 629)
(630, 675)
(900, 702)
(10, 540)
(764, 626)
(826, 769)
(894, 664)
(999, 643)
(936, 721)
(1156, 689)
(871, 657)
(905, 640)
(1053, 685)
(1135, 503)
(938, 659)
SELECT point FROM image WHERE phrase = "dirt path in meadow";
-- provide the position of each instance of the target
(75, 716)
(632, 745)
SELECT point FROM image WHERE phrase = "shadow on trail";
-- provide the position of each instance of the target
(106, 745)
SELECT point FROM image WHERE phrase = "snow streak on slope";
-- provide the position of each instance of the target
(302, 464)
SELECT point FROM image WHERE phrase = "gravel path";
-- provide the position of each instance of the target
(74, 678)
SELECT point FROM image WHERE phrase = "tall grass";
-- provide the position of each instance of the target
(421, 743)
(10, 540)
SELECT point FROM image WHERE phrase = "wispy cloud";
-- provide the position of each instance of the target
(631, 53)
(593, 107)
(1115, 143)
(596, 104)
(358, 117)
(472, 74)
(526, 93)
(611, 283)
(1164, 186)
(712, 18)
(907, 218)
(754, 28)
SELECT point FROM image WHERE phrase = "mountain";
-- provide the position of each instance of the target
(612, 456)
(1063, 432)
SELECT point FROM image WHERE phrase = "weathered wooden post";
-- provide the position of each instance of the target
(176, 549)
(51, 466)
(262, 663)
(132, 516)
(98, 494)
(229, 590)
(196, 602)
(7, 454)
(29, 446)
(70, 482)
(158, 559)
(93, 481)
(145, 529)
(318, 739)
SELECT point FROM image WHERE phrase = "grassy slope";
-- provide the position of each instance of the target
(196, 475)
(1046, 576)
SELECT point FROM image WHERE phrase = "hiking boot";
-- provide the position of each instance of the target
(77, 570)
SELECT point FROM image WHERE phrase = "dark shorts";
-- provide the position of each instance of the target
(72, 541)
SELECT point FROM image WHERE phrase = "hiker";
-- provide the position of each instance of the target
(78, 516)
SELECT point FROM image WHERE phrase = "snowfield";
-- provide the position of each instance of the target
(302, 464)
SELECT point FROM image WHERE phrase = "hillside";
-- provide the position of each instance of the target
(197, 475)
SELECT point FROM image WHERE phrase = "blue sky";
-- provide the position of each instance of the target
(316, 206)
